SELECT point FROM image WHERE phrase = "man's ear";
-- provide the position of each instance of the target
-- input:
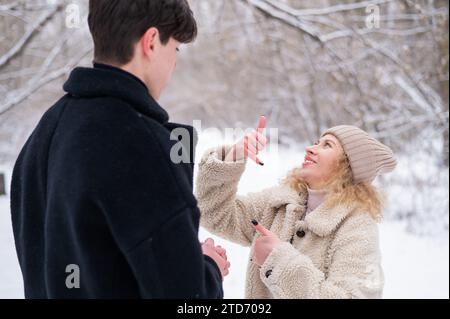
(150, 41)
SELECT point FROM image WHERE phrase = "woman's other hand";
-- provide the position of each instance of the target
(264, 244)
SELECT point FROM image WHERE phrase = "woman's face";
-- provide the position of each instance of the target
(321, 161)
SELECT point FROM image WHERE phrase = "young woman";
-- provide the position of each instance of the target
(313, 236)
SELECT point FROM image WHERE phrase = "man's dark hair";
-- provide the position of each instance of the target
(117, 25)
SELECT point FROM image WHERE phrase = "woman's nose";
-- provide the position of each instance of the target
(310, 150)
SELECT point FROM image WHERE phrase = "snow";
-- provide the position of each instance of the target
(415, 266)
(11, 285)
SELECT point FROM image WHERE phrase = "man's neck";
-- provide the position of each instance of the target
(133, 70)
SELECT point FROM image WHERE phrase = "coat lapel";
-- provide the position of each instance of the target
(295, 204)
(324, 221)
(321, 221)
(284, 195)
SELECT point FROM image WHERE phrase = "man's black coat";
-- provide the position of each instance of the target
(95, 187)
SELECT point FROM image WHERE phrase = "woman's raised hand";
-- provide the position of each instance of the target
(250, 145)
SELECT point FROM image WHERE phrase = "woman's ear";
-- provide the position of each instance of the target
(150, 41)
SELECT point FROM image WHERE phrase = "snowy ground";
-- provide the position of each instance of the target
(11, 285)
(414, 266)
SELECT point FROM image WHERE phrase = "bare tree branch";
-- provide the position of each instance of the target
(9, 6)
(284, 16)
(32, 30)
(326, 10)
(16, 97)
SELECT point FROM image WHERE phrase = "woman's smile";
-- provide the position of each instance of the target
(308, 161)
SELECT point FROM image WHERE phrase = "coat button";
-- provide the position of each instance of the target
(268, 273)
(301, 233)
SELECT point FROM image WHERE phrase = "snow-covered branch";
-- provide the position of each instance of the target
(30, 31)
(40, 80)
(9, 6)
(325, 10)
(285, 16)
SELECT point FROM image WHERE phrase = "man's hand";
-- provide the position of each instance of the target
(263, 244)
(250, 145)
(218, 254)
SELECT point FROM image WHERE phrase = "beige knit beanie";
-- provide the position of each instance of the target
(368, 157)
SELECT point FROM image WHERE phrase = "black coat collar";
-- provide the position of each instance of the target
(105, 80)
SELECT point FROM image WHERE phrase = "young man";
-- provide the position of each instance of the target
(99, 210)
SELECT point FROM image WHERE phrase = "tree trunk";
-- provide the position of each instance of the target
(444, 92)
(2, 184)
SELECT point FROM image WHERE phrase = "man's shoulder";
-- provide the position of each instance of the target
(109, 117)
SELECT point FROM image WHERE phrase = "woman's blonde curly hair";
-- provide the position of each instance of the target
(341, 189)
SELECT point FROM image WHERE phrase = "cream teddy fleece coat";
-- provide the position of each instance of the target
(327, 254)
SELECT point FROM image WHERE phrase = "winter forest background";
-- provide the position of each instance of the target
(307, 65)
